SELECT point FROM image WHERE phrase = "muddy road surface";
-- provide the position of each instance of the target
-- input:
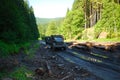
(97, 67)
(74, 63)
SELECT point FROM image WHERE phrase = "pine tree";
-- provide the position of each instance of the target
(17, 22)
(51, 29)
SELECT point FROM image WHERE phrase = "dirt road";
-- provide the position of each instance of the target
(71, 64)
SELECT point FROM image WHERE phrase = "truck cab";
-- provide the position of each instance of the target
(56, 42)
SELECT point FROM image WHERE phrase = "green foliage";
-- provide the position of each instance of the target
(103, 14)
(8, 49)
(3, 73)
(20, 73)
(32, 50)
(44, 23)
(110, 20)
(73, 24)
(17, 26)
(18, 23)
(51, 29)
(42, 30)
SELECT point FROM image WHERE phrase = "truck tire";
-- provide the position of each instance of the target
(53, 48)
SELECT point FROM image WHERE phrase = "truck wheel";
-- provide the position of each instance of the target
(64, 48)
(53, 48)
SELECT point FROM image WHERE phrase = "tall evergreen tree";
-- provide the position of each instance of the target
(17, 22)
(74, 21)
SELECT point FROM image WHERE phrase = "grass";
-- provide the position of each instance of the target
(8, 49)
(19, 73)
(3, 73)
(101, 40)
(31, 51)
(108, 40)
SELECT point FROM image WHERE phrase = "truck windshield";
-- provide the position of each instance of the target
(58, 39)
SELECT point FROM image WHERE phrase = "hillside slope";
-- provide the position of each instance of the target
(47, 20)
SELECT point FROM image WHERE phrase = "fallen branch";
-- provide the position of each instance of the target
(66, 77)
(48, 68)
(85, 74)
(40, 71)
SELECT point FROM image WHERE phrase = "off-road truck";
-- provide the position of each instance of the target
(56, 42)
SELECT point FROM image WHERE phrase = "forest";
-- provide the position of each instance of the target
(87, 20)
(18, 28)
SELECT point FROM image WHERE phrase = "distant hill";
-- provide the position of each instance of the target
(47, 20)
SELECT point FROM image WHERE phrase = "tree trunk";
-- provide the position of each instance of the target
(91, 14)
(87, 13)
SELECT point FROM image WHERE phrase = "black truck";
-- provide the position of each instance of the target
(55, 42)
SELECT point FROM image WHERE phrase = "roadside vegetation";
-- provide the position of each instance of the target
(18, 34)
(19, 73)
(18, 27)
(8, 49)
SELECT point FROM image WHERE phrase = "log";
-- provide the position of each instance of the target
(40, 71)
(48, 68)
(85, 74)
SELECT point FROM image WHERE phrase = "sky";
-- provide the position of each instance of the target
(50, 8)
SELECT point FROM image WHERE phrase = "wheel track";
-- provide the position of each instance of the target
(105, 72)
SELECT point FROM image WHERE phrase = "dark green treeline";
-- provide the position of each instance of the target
(17, 22)
(18, 27)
